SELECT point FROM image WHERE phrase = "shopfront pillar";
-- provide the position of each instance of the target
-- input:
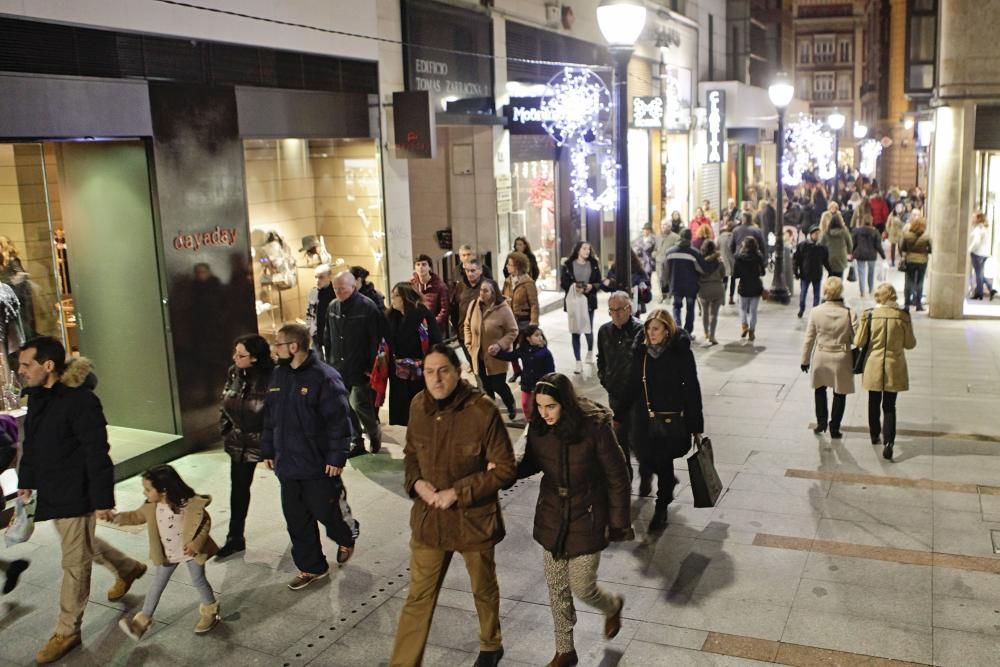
(952, 180)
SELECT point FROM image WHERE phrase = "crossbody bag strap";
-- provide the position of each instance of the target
(645, 387)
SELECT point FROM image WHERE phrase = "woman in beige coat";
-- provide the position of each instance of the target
(490, 327)
(889, 332)
(827, 351)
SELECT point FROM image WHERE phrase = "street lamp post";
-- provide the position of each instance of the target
(621, 22)
(836, 122)
(781, 93)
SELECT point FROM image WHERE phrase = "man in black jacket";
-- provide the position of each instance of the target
(306, 435)
(353, 334)
(741, 231)
(614, 365)
(66, 462)
(810, 259)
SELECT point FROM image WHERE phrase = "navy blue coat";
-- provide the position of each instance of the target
(307, 420)
(536, 363)
(684, 265)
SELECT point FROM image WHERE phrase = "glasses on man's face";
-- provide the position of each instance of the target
(621, 309)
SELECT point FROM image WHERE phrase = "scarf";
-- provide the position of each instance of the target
(655, 350)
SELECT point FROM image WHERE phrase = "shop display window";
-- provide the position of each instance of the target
(534, 216)
(310, 202)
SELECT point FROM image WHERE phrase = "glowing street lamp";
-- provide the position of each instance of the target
(836, 122)
(621, 23)
(781, 93)
(860, 131)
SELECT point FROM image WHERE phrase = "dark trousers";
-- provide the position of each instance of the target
(661, 464)
(306, 501)
(884, 402)
(240, 479)
(623, 432)
(732, 287)
(496, 384)
(363, 415)
(913, 289)
(803, 286)
(839, 403)
(688, 302)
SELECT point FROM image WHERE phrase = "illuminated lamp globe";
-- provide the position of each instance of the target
(860, 130)
(836, 121)
(621, 21)
(781, 91)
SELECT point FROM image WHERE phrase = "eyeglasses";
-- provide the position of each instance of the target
(620, 310)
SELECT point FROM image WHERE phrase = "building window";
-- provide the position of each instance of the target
(844, 49)
(804, 52)
(824, 51)
(844, 87)
(823, 87)
(921, 45)
(804, 88)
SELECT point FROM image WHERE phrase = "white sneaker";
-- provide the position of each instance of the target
(590, 356)
(579, 367)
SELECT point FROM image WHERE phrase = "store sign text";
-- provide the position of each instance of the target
(525, 115)
(647, 112)
(716, 124)
(435, 79)
(195, 241)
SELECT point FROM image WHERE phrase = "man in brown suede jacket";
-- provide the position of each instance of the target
(455, 431)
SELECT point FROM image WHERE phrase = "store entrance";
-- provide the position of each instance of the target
(987, 201)
(78, 261)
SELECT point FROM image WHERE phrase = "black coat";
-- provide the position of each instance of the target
(748, 269)
(867, 244)
(672, 380)
(65, 452)
(810, 259)
(241, 417)
(567, 279)
(403, 337)
(353, 333)
(614, 358)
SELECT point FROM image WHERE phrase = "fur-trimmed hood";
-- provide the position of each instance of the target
(79, 373)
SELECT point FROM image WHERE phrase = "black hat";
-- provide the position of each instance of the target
(814, 228)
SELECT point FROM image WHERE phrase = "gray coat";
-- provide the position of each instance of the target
(712, 284)
(827, 347)
(665, 242)
(838, 242)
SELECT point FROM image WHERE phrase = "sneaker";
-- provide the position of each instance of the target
(57, 647)
(713, 340)
(231, 547)
(123, 584)
(590, 356)
(208, 617)
(303, 579)
(136, 626)
(358, 449)
(344, 554)
(14, 571)
(579, 368)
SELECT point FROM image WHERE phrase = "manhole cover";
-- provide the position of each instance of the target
(744, 389)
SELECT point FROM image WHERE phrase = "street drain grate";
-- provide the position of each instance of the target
(749, 389)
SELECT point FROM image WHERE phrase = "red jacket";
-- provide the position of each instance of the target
(697, 222)
(435, 294)
(880, 211)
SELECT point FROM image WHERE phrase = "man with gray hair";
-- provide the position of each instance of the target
(614, 365)
(355, 327)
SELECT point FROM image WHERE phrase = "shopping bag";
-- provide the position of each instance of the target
(521, 444)
(705, 483)
(22, 522)
(577, 312)
(852, 273)
(881, 272)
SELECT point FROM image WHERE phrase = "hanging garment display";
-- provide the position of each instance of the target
(277, 263)
(315, 249)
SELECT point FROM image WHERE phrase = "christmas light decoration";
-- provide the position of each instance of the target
(809, 146)
(870, 152)
(577, 106)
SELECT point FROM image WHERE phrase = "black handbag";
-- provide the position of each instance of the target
(669, 426)
(852, 274)
(859, 355)
(705, 483)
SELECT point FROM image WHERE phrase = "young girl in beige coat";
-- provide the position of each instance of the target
(827, 351)
(178, 528)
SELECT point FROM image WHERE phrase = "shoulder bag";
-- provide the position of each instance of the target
(668, 426)
(859, 355)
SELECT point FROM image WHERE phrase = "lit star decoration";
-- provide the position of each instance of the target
(808, 146)
(578, 107)
(870, 152)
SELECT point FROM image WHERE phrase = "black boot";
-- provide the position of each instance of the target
(489, 658)
(375, 440)
(887, 451)
(819, 400)
(645, 485)
(14, 571)
(659, 520)
(231, 547)
(358, 449)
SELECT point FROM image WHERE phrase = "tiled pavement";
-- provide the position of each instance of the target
(820, 552)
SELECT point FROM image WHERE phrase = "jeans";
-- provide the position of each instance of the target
(575, 338)
(748, 310)
(839, 404)
(496, 384)
(803, 287)
(710, 313)
(306, 501)
(978, 266)
(240, 479)
(687, 301)
(162, 576)
(913, 290)
(886, 401)
(362, 400)
(866, 271)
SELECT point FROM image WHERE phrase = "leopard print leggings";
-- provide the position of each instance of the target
(567, 577)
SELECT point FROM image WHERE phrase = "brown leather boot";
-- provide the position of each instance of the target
(123, 584)
(564, 660)
(208, 616)
(613, 623)
(58, 646)
(746, 330)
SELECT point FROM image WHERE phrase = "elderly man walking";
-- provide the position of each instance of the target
(457, 457)
(354, 331)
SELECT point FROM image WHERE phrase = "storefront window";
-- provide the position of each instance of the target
(311, 202)
(534, 204)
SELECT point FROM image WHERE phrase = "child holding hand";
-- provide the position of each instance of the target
(178, 528)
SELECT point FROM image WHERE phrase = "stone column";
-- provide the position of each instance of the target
(952, 187)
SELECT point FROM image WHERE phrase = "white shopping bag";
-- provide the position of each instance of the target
(577, 310)
(881, 272)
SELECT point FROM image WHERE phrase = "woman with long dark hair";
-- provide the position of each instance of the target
(582, 274)
(522, 246)
(583, 503)
(242, 421)
(748, 268)
(411, 332)
(489, 328)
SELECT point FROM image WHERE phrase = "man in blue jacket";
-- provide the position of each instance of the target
(307, 432)
(684, 264)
